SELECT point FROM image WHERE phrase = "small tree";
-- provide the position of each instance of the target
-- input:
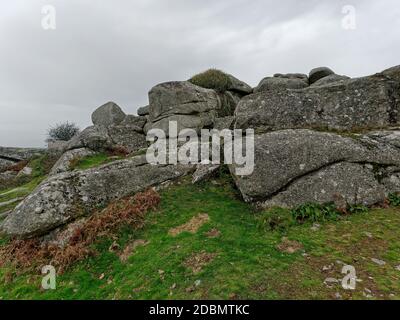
(62, 131)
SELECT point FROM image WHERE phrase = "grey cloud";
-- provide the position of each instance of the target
(117, 50)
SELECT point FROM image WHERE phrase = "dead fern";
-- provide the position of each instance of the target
(129, 211)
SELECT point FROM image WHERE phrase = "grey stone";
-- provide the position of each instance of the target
(369, 102)
(288, 160)
(239, 86)
(67, 196)
(353, 182)
(183, 98)
(143, 111)
(224, 123)
(204, 172)
(134, 122)
(392, 73)
(95, 138)
(300, 76)
(319, 73)
(108, 114)
(63, 164)
(271, 84)
(127, 136)
(333, 78)
(56, 146)
(378, 262)
(196, 122)
(19, 154)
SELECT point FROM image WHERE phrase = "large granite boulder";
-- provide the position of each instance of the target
(128, 134)
(297, 166)
(190, 105)
(271, 84)
(362, 103)
(67, 196)
(143, 111)
(107, 115)
(95, 138)
(333, 78)
(238, 86)
(182, 98)
(319, 73)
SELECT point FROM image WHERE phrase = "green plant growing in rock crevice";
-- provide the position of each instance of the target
(394, 199)
(212, 79)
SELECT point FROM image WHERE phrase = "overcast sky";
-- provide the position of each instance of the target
(117, 50)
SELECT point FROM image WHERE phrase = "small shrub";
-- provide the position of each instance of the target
(63, 131)
(212, 79)
(275, 219)
(394, 199)
(315, 212)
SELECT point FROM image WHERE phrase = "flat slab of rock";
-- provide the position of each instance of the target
(282, 82)
(64, 197)
(63, 164)
(298, 166)
(369, 102)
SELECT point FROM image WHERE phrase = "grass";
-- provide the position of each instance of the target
(245, 262)
(212, 79)
(92, 161)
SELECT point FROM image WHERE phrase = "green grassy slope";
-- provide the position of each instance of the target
(246, 263)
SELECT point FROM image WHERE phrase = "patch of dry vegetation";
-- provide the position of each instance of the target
(129, 211)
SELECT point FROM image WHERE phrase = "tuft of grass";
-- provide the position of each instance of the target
(89, 161)
(276, 219)
(212, 79)
(315, 212)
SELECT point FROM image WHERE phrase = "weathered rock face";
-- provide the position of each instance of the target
(66, 196)
(298, 166)
(63, 164)
(283, 81)
(95, 138)
(19, 154)
(319, 73)
(143, 111)
(239, 86)
(275, 83)
(190, 105)
(182, 98)
(369, 102)
(107, 115)
(333, 78)
(129, 134)
(125, 135)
